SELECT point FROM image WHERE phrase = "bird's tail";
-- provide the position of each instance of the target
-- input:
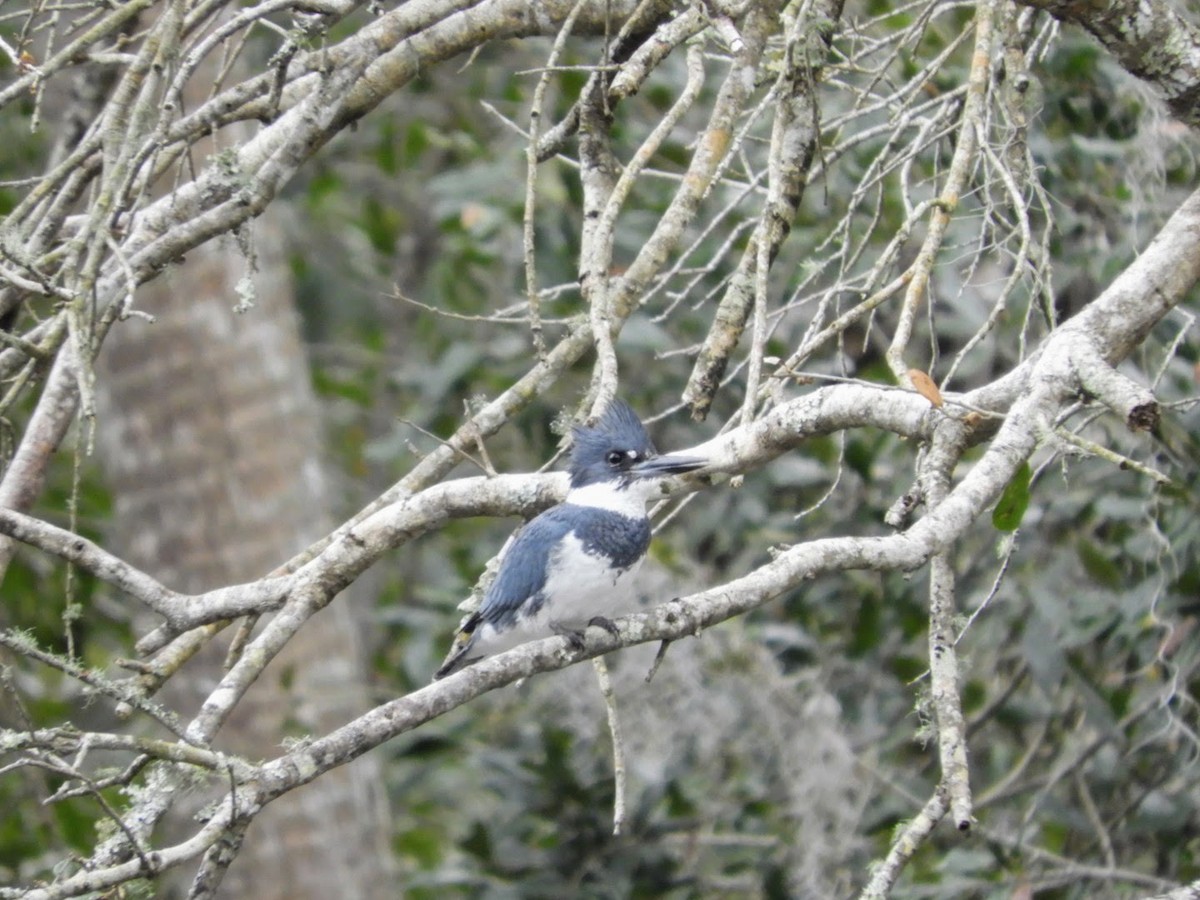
(457, 658)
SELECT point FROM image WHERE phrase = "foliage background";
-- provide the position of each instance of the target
(776, 755)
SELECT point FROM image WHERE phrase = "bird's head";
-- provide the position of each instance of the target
(617, 449)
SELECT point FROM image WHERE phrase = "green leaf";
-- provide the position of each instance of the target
(330, 385)
(479, 843)
(323, 185)
(416, 141)
(1014, 501)
(387, 155)
(381, 224)
(422, 845)
(1099, 565)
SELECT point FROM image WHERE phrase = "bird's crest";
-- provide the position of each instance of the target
(619, 430)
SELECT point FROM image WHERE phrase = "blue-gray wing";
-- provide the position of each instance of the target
(522, 572)
(519, 585)
(520, 580)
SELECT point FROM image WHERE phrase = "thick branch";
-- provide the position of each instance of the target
(1157, 281)
(1150, 39)
(181, 610)
(1134, 404)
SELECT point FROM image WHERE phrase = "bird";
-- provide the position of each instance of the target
(573, 565)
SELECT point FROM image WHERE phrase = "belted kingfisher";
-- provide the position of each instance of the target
(573, 565)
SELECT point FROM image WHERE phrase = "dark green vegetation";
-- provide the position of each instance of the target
(781, 753)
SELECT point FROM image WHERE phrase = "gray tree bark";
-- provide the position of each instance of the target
(210, 438)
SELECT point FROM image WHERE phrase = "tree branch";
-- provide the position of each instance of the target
(1152, 40)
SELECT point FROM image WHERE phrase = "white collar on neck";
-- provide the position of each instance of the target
(628, 500)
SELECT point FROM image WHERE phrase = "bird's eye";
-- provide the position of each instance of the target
(615, 458)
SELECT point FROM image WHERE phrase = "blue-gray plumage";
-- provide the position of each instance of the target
(574, 563)
(619, 538)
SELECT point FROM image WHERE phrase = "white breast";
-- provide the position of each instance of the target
(581, 586)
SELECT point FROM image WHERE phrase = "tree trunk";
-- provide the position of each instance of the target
(210, 437)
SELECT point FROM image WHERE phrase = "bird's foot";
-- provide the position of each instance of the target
(607, 624)
(574, 637)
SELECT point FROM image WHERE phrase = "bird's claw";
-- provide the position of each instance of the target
(574, 637)
(607, 624)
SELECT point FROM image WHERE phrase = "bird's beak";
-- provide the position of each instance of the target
(657, 466)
